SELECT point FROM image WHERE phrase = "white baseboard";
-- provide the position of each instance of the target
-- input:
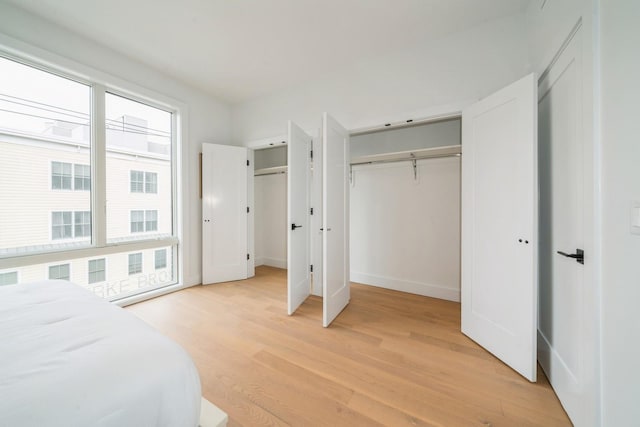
(271, 262)
(418, 288)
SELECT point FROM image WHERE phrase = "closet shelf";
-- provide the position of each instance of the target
(270, 171)
(399, 156)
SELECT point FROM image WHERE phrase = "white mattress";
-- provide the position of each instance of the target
(69, 358)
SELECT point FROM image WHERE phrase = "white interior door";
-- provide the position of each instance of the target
(224, 213)
(298, 234)
(316, 218)
(336, 289)
(566, 328)
(499, 224)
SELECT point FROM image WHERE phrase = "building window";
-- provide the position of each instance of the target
(144, 182)
(82, 224)
(137, 221)
(151, 220)
(97, 270)
(150, 182)
(161, 259)
(81, 177)
(137, 182)
(59, 272)
(135, 263)
(61, 227)
(60, 176)
(68, 176)
(10, 278)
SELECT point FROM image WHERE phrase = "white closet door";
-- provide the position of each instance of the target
(499, 224)
(224, 213)
(316, 219)
(298, 234)
(335, 200)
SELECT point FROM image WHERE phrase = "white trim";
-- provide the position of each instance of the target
(418, 288)
(271, 262)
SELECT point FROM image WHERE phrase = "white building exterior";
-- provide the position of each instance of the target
(46, 202)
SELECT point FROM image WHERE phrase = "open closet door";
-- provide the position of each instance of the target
(335, 203)
(499, 224)
(298, 233)
(224, 213)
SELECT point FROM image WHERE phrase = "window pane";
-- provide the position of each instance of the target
(160, 258)
(10, 278)
(44, 131)
(139, 157)
(137, 181)
(135, 263)
(82, 224)
(96, 271)
(150, 182)
(81, 177)
(59, 272)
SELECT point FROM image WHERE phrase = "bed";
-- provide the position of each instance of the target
(69, 358)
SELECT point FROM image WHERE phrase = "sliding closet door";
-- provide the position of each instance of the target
(499, 224)
(224, 213)
(298, 234)
(335, 199)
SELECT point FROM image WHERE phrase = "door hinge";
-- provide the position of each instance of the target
(247, 162)
(247, 209)
(311, 211)
(312, 154)
(248, 257)
(311, 268)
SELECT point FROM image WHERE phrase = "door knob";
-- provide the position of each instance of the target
(578, 256)
(293, 226)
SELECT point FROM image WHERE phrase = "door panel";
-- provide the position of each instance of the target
(499, 224)
(336, 289)
(564, 325)
(224, 213)
(316, 219)
(298, 234)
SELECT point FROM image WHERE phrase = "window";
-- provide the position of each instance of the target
(150, 182)
(161, 258)
(137, 182)
(151, 220)
(10, 278)
(82, 223)
(135, 263)
(54, 166)
(144, 182)
(59, 272)
(81, 177)
(137, 221)
(97, 272)
(61, 227)
(60, 176)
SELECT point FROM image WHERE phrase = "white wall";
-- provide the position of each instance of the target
(405, 233)
(208, 119)
(406, 83)
(620, 185)
(271, 220)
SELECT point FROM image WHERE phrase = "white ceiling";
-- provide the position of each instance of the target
(240, 49)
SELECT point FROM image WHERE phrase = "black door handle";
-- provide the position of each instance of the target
(293, 226)
(578, 256)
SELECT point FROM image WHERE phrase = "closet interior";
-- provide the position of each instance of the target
(270, 206)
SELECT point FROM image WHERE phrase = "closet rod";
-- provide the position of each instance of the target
(406, 159)
(269, 173)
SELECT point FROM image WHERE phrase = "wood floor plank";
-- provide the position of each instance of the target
(390, 358)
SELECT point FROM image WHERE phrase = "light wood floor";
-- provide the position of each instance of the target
(390, 359)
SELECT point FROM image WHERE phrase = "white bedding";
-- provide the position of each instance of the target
(69, 358)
